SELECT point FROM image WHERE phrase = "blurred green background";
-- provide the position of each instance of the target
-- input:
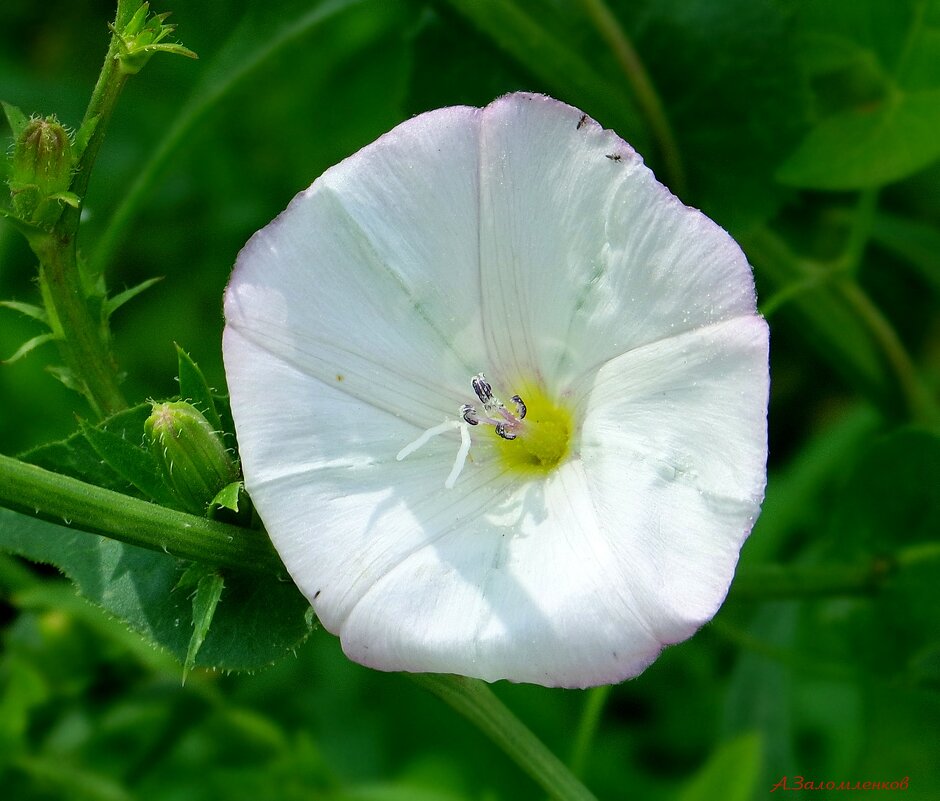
(807, 128)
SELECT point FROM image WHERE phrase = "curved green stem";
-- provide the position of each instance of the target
(647, 97)
(33, 490)
(594, 702)
(476, 702)
(919, 405)
(842, 318)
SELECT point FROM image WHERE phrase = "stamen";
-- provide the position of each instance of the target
(506, 425)
(411, 447)
(461, 459)
(469, 414)
(482, 389)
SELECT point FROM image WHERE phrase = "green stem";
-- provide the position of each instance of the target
(594, 702)
(33, 490)
(83, 347)
(884, 368)
(476, 702)
(101, 106)
(647, 97)
(919, 405)
(860, 231)
(85, 341)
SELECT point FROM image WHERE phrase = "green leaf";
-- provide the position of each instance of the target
(879, 97)
(30, 345)
(868, 147)
(76, 457)
(115, 302)
(30, 310)
(730, 774)
(263, 619)
(228, 496)
(16, 119)
(195, 389)
(130, 461)
(205, 600)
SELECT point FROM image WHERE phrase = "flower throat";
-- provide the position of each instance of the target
(533, 438)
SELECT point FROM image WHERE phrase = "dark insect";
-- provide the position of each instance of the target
(581, 121)
(614, 156)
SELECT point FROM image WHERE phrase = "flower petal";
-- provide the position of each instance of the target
(674, 445)
(584, 254)
(524, 588)
(370, 278)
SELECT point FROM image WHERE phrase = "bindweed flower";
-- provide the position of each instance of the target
(501, 398)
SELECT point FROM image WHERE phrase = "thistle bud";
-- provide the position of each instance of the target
(195, 463)
(42, 171)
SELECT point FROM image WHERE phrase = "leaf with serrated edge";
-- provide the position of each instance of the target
(205, 600)
(262, 620)
(133, 463)
(195, 389)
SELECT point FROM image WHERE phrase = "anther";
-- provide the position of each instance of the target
(504, 432)
(520, 406)
(469, 414)
(482, 389)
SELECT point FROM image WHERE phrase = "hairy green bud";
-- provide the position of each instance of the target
(41, 171)
(195, 462)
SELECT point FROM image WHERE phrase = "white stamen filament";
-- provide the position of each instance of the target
(462, 451)
(411, 447)
(461, 459)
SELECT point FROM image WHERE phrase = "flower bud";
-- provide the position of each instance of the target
(195, 463)
(42, 170)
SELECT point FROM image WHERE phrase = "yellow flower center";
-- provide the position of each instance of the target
(543, 439)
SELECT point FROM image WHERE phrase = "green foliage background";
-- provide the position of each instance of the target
(807, 128)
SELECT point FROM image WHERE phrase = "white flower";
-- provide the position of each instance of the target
(524, 242)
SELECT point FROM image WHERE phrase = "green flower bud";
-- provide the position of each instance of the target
(195, 463)
(42, 171)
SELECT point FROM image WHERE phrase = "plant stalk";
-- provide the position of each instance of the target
(476, 701)
(33, 490)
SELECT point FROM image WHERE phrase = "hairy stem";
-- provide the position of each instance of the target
(647, 97)
(85, 343)
(476, 702)
(84, 349)
(33, 490)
